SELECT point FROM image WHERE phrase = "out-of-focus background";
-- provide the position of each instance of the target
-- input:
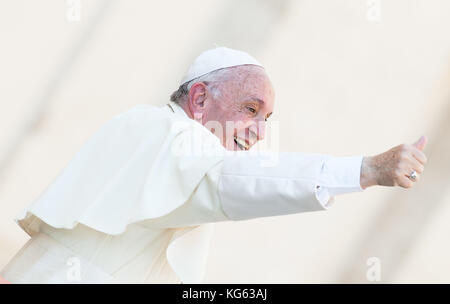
(352, 77)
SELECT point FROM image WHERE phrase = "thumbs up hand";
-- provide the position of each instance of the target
(393, 167)
(420, 143)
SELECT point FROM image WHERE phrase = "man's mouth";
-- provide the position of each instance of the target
(242, 144)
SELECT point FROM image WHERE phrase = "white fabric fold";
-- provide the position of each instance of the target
(248, 189)
(122, 175)
(339, 175)
(187, 253)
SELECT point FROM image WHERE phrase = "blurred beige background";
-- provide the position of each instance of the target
(353, 77)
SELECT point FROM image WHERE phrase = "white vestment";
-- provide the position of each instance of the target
(129, 208)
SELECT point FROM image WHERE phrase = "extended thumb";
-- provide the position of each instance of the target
(420, 144)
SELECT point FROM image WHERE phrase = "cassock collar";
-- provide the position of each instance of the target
(177, 108)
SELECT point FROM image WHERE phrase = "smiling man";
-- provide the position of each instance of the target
(133, 206)
(240, 96)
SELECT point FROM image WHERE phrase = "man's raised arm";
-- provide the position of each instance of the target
(241, 187)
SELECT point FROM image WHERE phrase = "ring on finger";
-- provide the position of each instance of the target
(413, 175)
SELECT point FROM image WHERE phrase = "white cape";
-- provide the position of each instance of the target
(126, 173)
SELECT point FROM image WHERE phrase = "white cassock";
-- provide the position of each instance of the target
(129, 209)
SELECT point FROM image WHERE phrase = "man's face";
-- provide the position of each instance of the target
(238, 114)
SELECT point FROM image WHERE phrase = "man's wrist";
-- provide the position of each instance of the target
(368, 174)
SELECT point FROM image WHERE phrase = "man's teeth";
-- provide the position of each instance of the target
(241, 143)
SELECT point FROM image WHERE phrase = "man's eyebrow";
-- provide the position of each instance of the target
(256, 99)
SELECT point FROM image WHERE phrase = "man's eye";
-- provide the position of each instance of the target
(251, 109)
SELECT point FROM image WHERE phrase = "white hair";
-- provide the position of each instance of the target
(211, 80)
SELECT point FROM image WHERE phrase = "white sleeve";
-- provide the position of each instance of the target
(297, 182)
(245, 187)
(339, 175)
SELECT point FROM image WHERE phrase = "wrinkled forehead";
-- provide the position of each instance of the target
(249, 82)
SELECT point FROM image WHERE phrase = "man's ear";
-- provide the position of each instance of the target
(197, 100)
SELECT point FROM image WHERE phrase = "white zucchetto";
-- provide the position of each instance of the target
(216, 59)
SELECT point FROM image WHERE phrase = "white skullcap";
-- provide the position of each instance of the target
(216, 59)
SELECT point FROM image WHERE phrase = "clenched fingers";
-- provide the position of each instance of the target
(419, 155)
